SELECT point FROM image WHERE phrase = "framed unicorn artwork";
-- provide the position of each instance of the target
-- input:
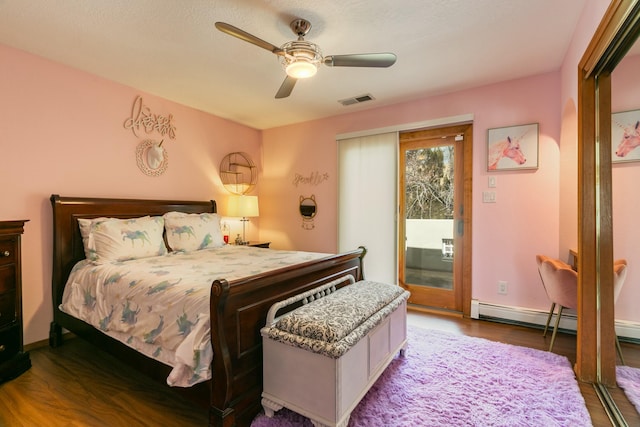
(625, 136)
(512, 148)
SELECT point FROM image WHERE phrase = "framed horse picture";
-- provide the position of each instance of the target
(512, 148)
(625, 136)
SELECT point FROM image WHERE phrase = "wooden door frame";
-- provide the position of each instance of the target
(595, 358)
(466, 130)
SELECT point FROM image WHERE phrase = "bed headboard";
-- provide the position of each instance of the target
(67, 241)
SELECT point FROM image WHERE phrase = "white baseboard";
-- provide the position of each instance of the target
(475, 309)
(568, 321)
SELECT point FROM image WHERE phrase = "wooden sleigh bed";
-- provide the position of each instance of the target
(238, 308)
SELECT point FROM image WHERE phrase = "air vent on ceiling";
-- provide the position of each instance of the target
(356, 99)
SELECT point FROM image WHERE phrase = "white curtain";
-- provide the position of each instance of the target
(368, 202)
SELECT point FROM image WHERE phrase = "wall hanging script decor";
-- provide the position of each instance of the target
(308, 210)
(314, 178)
(143, 120)
(151, 157)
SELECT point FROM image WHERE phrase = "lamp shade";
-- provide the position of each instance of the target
(243, 206)
(301, 69)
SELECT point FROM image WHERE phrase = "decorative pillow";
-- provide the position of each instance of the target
(125, 239)
(192, 232)
(85, 229)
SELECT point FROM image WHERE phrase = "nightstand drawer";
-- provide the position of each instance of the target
(7, 251)
(7, 308)
(13, 360)
(7, 278)
(9, 343)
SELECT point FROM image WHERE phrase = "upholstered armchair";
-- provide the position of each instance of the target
(619, 276)
(560, 282)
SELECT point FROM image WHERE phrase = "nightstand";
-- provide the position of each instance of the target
(13, 360)
(258, 244)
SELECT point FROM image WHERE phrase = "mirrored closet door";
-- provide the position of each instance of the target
(600, 168)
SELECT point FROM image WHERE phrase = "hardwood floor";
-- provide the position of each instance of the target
(78, 385)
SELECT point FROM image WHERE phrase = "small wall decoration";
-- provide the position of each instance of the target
(625, 136)
(513, 148)
(314, 178)
(151, 157)
(143, 120)
(308, 210)
(238, 173)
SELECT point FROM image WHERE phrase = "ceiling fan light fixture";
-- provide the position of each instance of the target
(301, 69)
(300, 59)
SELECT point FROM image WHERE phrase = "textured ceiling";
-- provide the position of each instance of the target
(171, 48)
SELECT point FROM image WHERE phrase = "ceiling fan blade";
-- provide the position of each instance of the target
(286, 87)
(243, 35)
(381, 60)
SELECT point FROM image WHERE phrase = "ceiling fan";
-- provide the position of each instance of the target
(300, 58)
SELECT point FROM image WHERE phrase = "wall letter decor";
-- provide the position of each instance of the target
(142, 119)
(314, 178)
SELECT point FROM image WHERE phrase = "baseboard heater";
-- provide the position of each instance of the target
(627, 331)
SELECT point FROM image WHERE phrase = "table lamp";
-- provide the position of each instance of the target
(245, 207)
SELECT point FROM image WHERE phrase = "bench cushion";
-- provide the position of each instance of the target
(333, 324)
(331, 318)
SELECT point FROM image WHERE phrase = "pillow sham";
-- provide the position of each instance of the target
(125, 239)
(85, 228)
(192, 232)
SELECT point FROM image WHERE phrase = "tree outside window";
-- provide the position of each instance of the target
(429, 183)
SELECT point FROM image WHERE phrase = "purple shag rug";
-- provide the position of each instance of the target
(454, 380)
(628, 379)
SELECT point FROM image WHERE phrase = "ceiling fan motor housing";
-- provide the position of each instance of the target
(300, 27)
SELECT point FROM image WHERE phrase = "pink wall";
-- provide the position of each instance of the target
(62, 132)
(506, 235)
(591, 16)
(536, 211)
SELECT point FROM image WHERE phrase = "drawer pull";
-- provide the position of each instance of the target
(2, 348)
(5, 253)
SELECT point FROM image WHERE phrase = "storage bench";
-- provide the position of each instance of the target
(321, 358)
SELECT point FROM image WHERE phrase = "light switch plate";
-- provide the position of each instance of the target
(488, 197)
(493, 180)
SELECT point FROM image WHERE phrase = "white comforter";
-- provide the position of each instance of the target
(160, 305)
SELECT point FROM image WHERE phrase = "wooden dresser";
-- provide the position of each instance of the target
(13, 360)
